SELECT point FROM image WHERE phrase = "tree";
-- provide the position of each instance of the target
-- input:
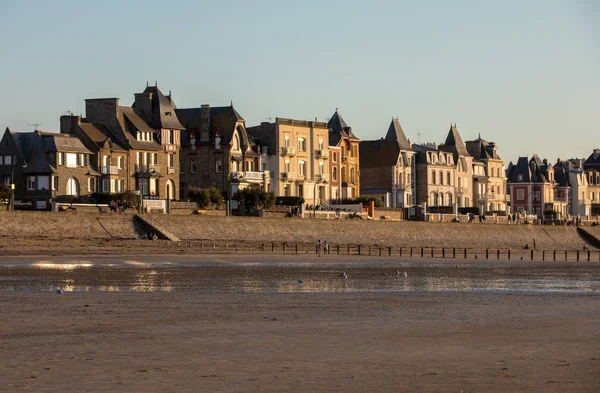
(204, 197)
(254, 198)
(128, 200)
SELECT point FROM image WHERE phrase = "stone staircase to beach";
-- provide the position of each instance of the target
(153, 225)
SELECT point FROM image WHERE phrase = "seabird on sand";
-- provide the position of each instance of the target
(343, 275)
(299, 281)
(59, 291)
(405, 274)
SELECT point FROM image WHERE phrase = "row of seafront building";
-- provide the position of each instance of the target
(161, 150)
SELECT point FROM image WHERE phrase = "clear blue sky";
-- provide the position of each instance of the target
(524, 74)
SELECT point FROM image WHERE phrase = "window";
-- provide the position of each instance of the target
(155, 159)
(352, 179)
(520, 195)
(236, 142)
(121, 162)
(1, 160)
(82, 160)
(55, 183)
(31, 182)
(192, 166)
(432, 177)
(7, 160)
(334, 174)
(441, 178)
(218, 165)
(286, 141)
(60, 159)
(301, 167)
(43, 183)
(321, 168)
(71, 160)
(286, 166)
(536, 196)
(320, 144)
(519, 177)
(301, 144)
(72, 187)
(286, 190)
(448, 179)
(171, 161)
(334, 157)
(171, 137)
(90, 185)
(122, 188)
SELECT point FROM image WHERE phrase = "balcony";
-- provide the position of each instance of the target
(288, 151)
(462, 190)
(109, 170)
(252, 177)
(323, 177)
(170, 171)
(146, 168)
(288, 176)
(322, 154)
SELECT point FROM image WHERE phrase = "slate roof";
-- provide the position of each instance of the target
(454, 143)
(374, 191)
(338, 129)
(395, 132)
(163, 110)
(99, 134)
(481, 149)
(533, 170)
(593, 161)
(222, 118)
(561, 174)
(34, 147)
(378, 153)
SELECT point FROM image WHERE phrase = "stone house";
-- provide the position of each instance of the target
(386, 166)
(435, 178)
(591, 167)
(297, 153)
(489, 176)
(216, 151)
(341, 135)
(335, 168)
(464, 181)
(531, 186)
(46, 167)
(136, 147)
(577, 180)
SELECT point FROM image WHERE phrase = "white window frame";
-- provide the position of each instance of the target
(301, 144)
(301, 168)
(120, 162)
(30, 183)
(193, 166)
(520, 195)
(218, 165)
(171, 161)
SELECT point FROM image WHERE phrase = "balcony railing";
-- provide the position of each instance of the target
(288, 176)
(288, 151)
(109, 170)
(170, 171)
(322, 154)
(147, 168)
(322, 177)
(70, 165)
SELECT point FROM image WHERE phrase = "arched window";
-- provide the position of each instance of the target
(72, 187)
(448, 199)
(236, 142)
(433, 177)
(441, 178)
(170, 189)
(449, 179)
(433, 199)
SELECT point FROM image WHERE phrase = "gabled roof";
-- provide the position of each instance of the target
(593, 161)
(99, 134)
(338, 129)
(396, 133)
(482, 150)
(561, 174)
(520, 168)
(379, 153)
(222, 118)
(454, 143)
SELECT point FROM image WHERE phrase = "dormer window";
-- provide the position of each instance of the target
(520, 177)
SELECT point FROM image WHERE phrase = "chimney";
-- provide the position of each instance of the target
(68, 124)
(205, 123)
(103, 111)
(143, 101)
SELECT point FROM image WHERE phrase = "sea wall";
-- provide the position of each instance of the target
(292, 230)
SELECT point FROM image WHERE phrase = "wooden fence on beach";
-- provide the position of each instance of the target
(287, 248)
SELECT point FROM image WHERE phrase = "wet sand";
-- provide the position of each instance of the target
(319, 336)
(369, 342)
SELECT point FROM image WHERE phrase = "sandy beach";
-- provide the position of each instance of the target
(328, 339)
(425, 342)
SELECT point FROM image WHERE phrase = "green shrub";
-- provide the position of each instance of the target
(128, 200)
(255, 198)
(205, 197)
(289, 200)
(5, 193)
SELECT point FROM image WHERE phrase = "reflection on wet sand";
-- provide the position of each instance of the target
(145, 277)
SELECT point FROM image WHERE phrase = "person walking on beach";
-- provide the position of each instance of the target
(319, 247)
(325, 247)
